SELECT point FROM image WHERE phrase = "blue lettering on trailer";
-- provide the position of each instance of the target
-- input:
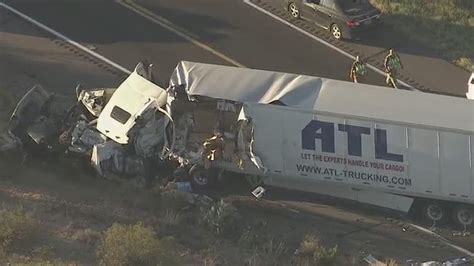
(325, 133)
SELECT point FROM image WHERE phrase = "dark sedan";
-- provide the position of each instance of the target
(343, 18)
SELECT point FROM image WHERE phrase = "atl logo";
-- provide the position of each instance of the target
(325, 133)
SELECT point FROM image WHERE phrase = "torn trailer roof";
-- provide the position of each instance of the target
(326, 95)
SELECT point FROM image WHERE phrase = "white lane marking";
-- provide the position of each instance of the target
(422, 229)
(66, 39)
(174, 29)
(248, 2)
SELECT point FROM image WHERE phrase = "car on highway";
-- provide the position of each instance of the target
(342, 18)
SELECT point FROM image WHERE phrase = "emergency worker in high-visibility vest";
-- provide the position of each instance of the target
(357, 70)
(392, 65)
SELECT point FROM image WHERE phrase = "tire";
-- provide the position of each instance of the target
(202, 178)
(463, 216)
(434, 212)
(294, 10)
(336, 32)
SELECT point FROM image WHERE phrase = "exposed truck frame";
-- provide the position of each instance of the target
(385, 147)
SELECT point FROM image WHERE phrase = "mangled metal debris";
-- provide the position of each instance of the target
(94, 100)
(118, 129)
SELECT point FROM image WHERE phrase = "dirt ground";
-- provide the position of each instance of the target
(66, 198)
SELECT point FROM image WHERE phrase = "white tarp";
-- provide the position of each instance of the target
(327, 95)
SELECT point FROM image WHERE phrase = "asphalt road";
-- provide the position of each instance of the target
(228, 26)
(27, 58)
(232, 28)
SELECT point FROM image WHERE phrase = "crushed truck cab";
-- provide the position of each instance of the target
(128, 103)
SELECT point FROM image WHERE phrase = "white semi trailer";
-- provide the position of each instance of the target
(367, 143)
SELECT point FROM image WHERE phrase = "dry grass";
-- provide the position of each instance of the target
(465, 63)
(174, 200)
(391, 262)
(88, 236)
(133, 245)
(222, 218)
(44, 253)
(311, 252)
(16, 226)
(444, 25)
(170, 218)
(212, 259)
(273, 251)
(255, 235)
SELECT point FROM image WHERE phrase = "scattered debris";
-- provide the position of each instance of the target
(258, 192)
(370, 260)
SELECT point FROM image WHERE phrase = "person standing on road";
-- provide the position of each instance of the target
(392, 65)
(357, 70)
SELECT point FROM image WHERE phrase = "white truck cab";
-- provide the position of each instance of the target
(470, 87)
(131, 99)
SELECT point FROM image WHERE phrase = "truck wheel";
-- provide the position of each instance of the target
(201, 177)
(434, 211)
(198, 176)
(463, 216)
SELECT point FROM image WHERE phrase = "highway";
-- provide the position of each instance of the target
(223, 32)
(230, 28)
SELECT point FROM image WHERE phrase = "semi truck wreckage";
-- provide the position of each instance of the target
(370, 144)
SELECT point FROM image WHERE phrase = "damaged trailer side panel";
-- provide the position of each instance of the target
(300, 147)
(207, 133)
(356, 141)
(212, 133)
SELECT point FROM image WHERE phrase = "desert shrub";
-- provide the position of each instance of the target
(16, 226)
(272, 252)
(174, 200)
(221, 218)
(87, 236)
(311, 252)
(170, 218)
(254, 236)
(391, 262)
(465, 63)
(134, 245)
